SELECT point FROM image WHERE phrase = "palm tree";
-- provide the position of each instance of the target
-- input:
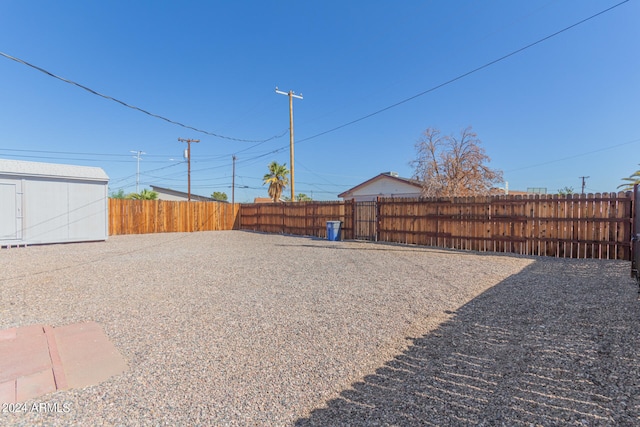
(631, 181)
(277, 178)
(143, 195)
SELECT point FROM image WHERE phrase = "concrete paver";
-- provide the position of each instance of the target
(8, 391)
(26, 354)
(87, 355)
(8, 334)
(35, 385)
(38, 359)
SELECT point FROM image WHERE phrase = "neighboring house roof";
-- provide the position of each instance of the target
(389, 184)
(265, 200)
(51, 170)
(175, 195)
(398, 185)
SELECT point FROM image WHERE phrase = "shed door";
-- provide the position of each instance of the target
(10, 212)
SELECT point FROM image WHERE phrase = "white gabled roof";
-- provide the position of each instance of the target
(51, 170)
(406, 183)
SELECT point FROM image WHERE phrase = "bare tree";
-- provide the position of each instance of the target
(450, 166)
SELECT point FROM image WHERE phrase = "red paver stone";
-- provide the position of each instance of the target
(35, 385)
(26, 354)
(8, 334)
(38, 359)
(87, 355)
(30, 330)
(56, 363)
(8, 392)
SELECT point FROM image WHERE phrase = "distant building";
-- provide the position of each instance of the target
(506, 192)
(387, 184)
(180, 196)
(499, 191)
(265, 200)
(537, 190)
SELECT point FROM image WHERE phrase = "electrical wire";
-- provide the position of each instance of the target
(441, 85)
(432, 89)
(150, 170)
(574, 156)
(63, 158)
(133, 107)
(63, 152)
(461, 76)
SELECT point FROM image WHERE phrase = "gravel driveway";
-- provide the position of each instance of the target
(238, 328)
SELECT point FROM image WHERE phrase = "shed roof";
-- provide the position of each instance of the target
(51, 170)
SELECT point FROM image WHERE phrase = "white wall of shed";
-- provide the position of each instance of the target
(64, 211)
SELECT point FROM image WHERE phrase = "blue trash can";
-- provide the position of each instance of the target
(333, 230)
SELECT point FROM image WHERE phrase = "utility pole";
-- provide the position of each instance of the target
(188, 141)
(583, 181)
(291, 96)
(233, 183)
(138, 154)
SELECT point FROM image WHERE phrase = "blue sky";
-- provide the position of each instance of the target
(564, 108)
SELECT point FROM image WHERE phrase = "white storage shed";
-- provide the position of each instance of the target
(52, 203)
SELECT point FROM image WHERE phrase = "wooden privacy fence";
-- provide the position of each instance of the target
(301, 218)
(573, 226)
(161, 216)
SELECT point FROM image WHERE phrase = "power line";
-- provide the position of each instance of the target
(167, 157)
(203, 158)
(62, 152)
(113, 181)
(448, 82)
(133, 107)
(65, 158)
(250, 159)
(461, 76)
(574, 156)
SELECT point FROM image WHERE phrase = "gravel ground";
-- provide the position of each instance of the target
(237, 328)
